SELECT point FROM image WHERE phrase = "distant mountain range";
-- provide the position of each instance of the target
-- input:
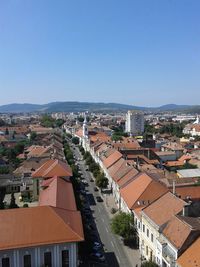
(70, 106)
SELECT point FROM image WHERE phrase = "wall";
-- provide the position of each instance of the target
(37, 255)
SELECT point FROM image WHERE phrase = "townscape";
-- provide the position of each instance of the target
(99, 133)
(99, 189)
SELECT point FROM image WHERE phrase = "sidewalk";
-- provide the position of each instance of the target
(132, 254)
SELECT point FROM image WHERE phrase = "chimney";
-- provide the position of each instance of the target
(186, 210)
(174, 187)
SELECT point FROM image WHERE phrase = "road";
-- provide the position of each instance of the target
(114, 252)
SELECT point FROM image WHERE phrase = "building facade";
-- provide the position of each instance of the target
(134, 122)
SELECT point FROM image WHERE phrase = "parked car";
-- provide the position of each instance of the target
(97, 246)
(99, 199)
(96, 189)
(91, 180)
(98, 256)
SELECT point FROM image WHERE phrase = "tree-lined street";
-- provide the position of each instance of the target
(113, 246)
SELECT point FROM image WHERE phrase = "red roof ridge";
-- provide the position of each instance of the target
(61, 219)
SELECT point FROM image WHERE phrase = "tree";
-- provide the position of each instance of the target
(116, 137)
(93, 166)
(101, 181)
(19, 148)
(33, 136)
(80, 119)
(2, 123)
(4, 169)
(149, 264)
(122, 224)
(13, 204)
(6, 132)
(89, 160)
(47, 121)
(87, 155)
(59, 122)
(75, 140)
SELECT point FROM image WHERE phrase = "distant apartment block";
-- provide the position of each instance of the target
(134, 122)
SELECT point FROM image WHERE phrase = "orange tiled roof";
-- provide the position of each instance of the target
(110, 160)
(53, 167)
(115, 167)
(185, 157)
(191, 257)
(126, 178)
(185, 192)
(37, 151)
(17, 129)
(161, 210)
(141, 191)
(179, 228)
(126, 143)
(120, 170)
(100, 136)
(174, 163)
(36, 226)
(59, 193)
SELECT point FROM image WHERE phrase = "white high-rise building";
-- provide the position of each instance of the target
(134, 122)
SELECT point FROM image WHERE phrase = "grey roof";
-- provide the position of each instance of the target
(189, 173)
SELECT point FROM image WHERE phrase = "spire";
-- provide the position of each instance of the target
(85, 128)
(197, 120)
(85, 119)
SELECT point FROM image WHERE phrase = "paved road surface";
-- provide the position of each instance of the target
(114, 252)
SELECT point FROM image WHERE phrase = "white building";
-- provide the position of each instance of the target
(39, 236)
(134, 122)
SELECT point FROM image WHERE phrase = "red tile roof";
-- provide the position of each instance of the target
(162, 209)
(53, 167)
(179, 228)
(110, 160)
(28, 227)
(59, 193)
(185, 192)
(191, 257)
(141, 191)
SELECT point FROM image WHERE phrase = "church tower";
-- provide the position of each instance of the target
(197, 120)
(85, 128)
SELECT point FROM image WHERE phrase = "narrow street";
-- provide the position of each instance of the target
(113, 247)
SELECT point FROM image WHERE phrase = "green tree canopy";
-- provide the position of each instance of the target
(122, 224)
(75, 140)
(149, 264)
(59, 122)
(33, 136)
(47, 121)
(101, 181)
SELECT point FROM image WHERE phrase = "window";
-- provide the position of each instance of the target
(47, 259)
(27, 260)
(147, 250)
(65, 258)
(151, 237)
(143, 228)
(6, 262)
(147, 232)
(37, 185)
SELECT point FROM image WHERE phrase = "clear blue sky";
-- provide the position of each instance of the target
(140, 52)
